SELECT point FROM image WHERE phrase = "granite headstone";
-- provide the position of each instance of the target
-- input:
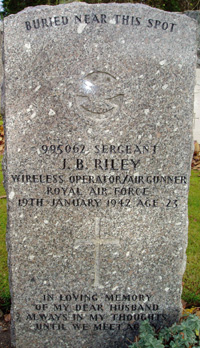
(98, 119)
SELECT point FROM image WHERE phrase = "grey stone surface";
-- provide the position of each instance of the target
(196, 15)
(98, 99)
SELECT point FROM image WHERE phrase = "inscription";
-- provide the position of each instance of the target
(87, 311)
(99, 19)
(97, 203)
(123, 190)
(136, 149)
(101, 179)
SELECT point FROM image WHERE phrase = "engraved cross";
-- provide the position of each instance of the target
(98, 241)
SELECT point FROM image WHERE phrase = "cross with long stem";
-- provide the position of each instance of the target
(98, 241)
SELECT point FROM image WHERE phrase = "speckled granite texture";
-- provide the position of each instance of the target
(99, 106)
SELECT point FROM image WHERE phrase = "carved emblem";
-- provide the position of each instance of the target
(98, 241)
(100, 94)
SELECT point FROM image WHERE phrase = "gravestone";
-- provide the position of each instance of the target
(99, 108)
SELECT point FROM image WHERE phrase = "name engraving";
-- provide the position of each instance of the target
(115, 182)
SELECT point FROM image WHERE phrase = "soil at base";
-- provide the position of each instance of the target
(4, 334)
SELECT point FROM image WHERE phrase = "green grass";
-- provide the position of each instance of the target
(191, 288)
